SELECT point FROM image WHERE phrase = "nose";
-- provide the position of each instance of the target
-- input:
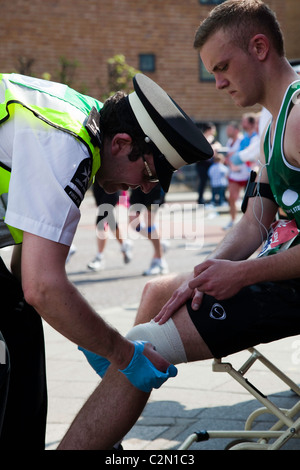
(221, 82)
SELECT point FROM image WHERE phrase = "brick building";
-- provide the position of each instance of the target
(155, 36)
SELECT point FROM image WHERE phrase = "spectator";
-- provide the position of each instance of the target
(239, 172)
(218, 175)
(142, 213)
(103, 223)
(209, 131)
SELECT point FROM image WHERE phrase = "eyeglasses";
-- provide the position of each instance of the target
(152, 179)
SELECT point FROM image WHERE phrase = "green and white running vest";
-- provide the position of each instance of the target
(55, 104)
(284, 178)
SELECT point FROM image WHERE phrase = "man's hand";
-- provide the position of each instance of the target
(178, 299)
(141, 371)
(219, 278)
(99, 363)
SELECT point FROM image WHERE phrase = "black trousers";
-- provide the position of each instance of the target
(24, 409)
(4, 378)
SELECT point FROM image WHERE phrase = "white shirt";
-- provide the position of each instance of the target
(218, 173)
(43, 161)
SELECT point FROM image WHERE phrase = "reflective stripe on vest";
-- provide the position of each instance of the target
(8, 235)
(68, 113)
(57, 105)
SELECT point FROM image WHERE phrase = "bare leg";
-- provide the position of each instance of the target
(115, 405)
(155, 294)
(101, 241)
(234, 191)
(153, 235)
(107, 416)
(157, 249)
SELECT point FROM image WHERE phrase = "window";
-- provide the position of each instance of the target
(204, 75)
(211, 2)
(147, 62)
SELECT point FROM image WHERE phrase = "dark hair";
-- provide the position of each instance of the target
(244, 18)
(116, 116)
(250, 117)
(208, 125)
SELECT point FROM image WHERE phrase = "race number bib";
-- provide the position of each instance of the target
(281, 235)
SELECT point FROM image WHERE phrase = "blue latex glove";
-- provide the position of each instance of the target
(235, 159)
(99, 364)
(142, 373)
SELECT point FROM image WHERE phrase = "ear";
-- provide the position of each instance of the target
(120, 141)
(259, 45)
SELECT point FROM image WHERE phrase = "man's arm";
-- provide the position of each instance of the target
(228, 268)
(210, 275)
(47, 288)
(257, 219)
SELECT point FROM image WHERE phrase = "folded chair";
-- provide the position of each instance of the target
(286, 427)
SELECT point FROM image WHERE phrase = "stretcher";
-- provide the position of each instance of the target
(286, 427)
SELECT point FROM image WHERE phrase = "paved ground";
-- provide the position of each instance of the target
(197, 398)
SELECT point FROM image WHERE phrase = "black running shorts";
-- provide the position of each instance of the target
(260, 313)
(155, 197)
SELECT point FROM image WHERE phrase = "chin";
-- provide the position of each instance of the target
(247, 102)
(111, 188)
(241, 102)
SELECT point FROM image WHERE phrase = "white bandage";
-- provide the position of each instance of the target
(165, 338)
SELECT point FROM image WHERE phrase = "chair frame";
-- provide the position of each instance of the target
(287, 426)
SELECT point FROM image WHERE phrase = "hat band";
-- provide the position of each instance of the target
(151, 130)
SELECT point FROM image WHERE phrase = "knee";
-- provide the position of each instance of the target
(165, 338)
(151, 289)
(161, 288)
(155, 294)
(147, 308)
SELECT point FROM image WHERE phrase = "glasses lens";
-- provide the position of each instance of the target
(151, 179)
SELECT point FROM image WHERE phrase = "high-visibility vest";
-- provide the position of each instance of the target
(55, 104)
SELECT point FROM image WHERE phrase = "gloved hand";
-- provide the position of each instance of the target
(142, 373)
(99, 364)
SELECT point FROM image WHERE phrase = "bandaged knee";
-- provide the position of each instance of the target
(165, 338)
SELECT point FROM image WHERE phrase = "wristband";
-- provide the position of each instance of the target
(142, 373)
